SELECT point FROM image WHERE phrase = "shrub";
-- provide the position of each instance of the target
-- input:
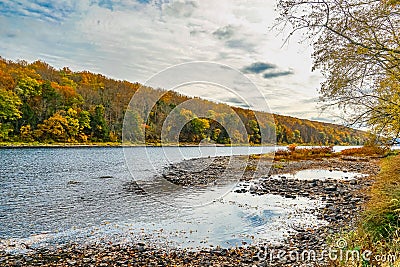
(292, 147)
(295, 153)
(365, 151)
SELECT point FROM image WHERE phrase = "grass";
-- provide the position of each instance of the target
(378, 230)
(293, 152)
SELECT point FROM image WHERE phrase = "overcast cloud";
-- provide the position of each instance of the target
(133, 40)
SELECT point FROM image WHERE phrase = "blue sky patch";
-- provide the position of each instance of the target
(45, 10)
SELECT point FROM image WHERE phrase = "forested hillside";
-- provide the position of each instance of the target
(40, 103)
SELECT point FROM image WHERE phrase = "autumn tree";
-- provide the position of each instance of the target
(28, 90)
(63, 126)
(254, 136)
(297, 136)
(199, 128)
(40, 103)
(9, 111)
(50, 101)
(133, 128)
(357, 48)
(26, 133)
(53, 129)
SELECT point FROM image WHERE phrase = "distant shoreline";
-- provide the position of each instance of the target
(12, 145)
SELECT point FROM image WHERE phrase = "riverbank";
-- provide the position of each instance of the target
(12, 145)
(343, 200)
(100, 144)
(120, 144)
(138, 254)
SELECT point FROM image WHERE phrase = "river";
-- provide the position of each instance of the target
(53, 196)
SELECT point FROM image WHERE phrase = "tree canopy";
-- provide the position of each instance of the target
(357, 48)
(40, 103)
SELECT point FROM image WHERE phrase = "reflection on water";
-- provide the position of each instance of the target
(52, 196)
(321, 174)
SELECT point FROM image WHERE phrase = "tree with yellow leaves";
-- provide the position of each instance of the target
(357, 48)
(9, 111)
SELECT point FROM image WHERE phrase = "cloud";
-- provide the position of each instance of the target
(109, 4)
(242, 44)
(11, 35)
(323, 119)
(271, 75)
(123, 5)
(258, 67)
(196, 29)
(268, 70)
(180, 8)
(225, 32)
(54, 11)
(236, 102)
(135, 39)
(312, 100)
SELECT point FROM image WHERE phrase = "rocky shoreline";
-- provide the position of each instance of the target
(343, 198)
(205, 171)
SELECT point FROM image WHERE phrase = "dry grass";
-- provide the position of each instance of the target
(365, 151)
(381, 218)
(295, 153)
(379, 227)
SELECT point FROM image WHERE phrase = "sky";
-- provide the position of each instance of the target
(135, 40)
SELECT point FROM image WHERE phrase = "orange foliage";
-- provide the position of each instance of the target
(6, 81)
(305, 153)
(365, 151)
(66, 91)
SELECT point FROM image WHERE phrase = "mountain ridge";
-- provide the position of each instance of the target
(43, 104)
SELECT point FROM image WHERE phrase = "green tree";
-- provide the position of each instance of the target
(84, 121)
(133, 127)
(28, 87)
(199, 128)
(254, 134)
(215, 134)
(40, 101)
(297, 136)
(180, 125)
(322, 139)
(9, 106)
(98, 124)
(9, 111)
(50, 101)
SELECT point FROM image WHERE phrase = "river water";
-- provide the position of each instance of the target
(53, 196)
